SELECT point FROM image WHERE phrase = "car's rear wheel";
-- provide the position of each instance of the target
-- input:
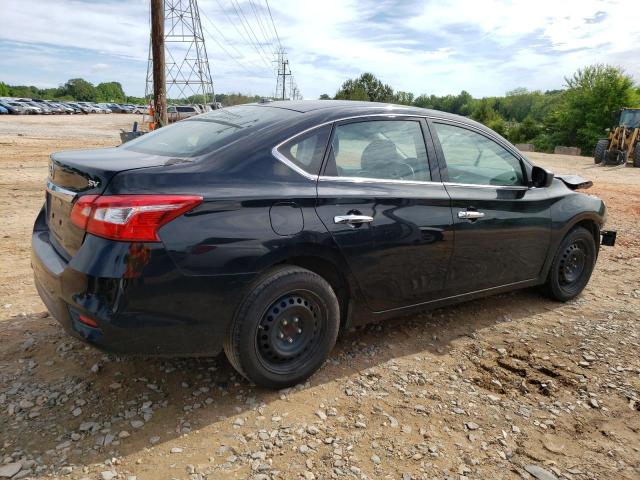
(572, 265)
(636, 156)
(600, 150)
(284, 329)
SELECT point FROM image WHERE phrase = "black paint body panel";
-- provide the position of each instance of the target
(177, 297)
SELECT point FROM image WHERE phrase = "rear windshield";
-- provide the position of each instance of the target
(206, 132)
(186, 109)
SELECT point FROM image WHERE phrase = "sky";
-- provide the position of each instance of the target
(486, 47)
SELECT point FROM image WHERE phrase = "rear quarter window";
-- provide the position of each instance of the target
(306, 151)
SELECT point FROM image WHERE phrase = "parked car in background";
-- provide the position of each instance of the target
(55, 108)
(3, 111)
(115, 108)
(76, 108)
(37, 106)
(13, 107)
(90, 107)
(264, 229)
(83, 108)
(104, 107)
(65, 108)
(141, 109)
(30, 109)
(176, 113)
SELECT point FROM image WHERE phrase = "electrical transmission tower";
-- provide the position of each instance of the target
(187, 67)
(286, 88)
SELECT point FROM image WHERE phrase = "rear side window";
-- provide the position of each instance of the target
(186, 109)
(307, 150)
(379, 149)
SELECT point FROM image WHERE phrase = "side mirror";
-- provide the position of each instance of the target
(541, 177)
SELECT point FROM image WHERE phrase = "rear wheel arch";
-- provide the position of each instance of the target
(332, 274)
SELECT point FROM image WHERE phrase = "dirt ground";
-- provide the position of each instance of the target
(512, 386)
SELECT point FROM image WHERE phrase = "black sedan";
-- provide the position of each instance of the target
(262, 230)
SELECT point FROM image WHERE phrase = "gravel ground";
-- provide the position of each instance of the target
(511, 386)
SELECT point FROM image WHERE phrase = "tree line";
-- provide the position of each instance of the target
(576, 115)
(76, 89)
(79, 89)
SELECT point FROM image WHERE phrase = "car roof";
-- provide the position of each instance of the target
(330, 110)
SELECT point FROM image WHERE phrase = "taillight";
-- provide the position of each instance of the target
(133, 218)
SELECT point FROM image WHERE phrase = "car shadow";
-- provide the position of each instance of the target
(65, 402)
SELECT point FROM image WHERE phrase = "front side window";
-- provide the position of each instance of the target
(307, 150)
(475, 159)
(380, 149)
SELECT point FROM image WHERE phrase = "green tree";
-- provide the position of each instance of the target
(324, 96)
(110, 92)
(593, 97)
(4, 89)
(366, 87)
(80, 89)
(403, 98)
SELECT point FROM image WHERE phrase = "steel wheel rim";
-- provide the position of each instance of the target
(573, 264)
(289, 331)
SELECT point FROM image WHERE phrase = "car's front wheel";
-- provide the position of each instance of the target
(572, 265)
(284, 329)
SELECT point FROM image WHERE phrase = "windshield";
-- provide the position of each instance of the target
(630, 118)
(206, 132)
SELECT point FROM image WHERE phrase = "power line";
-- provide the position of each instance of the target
(240, 64)
(273, 23)
(246, 40)
(258, 16)
(230, 44)
(247, 28)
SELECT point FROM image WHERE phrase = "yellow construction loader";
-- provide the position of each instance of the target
(623, 144)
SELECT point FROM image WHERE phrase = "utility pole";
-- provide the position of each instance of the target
(281, 83)
(284, 77)
(157, 49)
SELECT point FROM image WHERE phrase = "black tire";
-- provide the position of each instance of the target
(284, 329)
(572, 265)
(636, 156)
(600, 150)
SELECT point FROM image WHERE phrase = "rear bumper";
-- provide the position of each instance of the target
(140, 301)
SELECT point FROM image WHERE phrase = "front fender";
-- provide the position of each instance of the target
(568, 210)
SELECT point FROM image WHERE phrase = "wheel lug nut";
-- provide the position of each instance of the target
(296, 319)
(284, 322)
(299, 330)
(281, 335)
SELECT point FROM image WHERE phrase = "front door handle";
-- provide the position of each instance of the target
(470, 214)
(352, 219)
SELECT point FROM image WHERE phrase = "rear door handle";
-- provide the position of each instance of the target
(352, 220)
(470, 214)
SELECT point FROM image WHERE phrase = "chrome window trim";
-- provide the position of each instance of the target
(304, 173)
(60, 192)
(327, 178)
(477, 185)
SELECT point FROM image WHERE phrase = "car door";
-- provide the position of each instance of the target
(502, 226)
(381, 198)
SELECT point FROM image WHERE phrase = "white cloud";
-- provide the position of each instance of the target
(99, 67)
(438, 47)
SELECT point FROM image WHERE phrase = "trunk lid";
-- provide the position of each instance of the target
(84, 172)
